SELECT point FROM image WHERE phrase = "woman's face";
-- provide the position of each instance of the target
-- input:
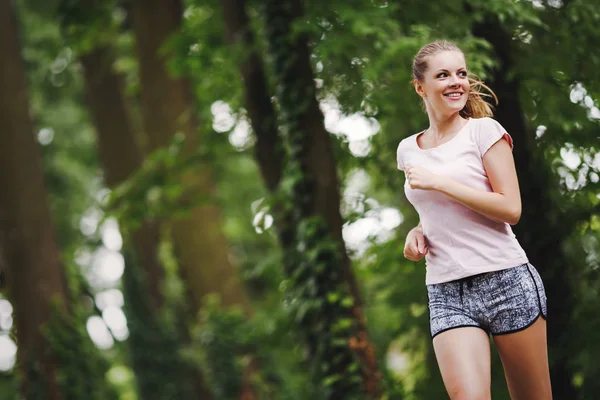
(445, 87)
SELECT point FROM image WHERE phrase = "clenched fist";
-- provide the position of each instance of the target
(415, 247)
(420, 178)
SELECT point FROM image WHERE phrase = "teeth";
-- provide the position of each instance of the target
(453, 95)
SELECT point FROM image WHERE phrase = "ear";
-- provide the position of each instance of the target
(419, 89)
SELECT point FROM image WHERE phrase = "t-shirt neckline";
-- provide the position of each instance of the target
(443, 144)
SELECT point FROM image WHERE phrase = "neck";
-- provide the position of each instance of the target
(441, 125)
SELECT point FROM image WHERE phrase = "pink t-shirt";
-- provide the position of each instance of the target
(461, 241)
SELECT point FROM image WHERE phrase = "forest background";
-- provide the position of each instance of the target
(200, 200)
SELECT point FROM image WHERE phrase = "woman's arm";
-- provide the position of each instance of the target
(503, 204)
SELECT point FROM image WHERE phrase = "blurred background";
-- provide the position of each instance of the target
(200, 200)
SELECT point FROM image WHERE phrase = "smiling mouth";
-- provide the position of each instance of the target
(454, 95)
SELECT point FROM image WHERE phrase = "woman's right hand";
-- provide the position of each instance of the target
(415, 247)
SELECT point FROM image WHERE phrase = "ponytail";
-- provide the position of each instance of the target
(476, 106)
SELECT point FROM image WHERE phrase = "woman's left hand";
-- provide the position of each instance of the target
(420, 178)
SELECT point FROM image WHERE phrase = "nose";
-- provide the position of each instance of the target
(453, 80)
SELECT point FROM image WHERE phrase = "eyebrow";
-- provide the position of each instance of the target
(445, 70)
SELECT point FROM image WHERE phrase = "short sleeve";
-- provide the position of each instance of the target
(490, 131)
(400, 158)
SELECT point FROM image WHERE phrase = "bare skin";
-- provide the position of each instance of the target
(463, 356)
(525, 358)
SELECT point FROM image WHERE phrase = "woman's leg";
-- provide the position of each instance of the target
(524, 355)
(463, 356)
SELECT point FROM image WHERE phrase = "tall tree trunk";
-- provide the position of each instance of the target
(120, 155)
(315, 196)
(540, 229)
(168, 108)
(28, 244)
(269, 149)
(161, 374)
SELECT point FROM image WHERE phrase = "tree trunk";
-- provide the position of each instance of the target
(539, 230)
(119, 153)
(315, 196)
(168, 108)
(162, 374)
(269, 149)
(28, 244)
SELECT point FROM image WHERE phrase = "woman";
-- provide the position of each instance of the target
(461, 179)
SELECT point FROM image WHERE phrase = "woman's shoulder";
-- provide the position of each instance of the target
(487, 131)
(484, 126)
(409, 141)
(404, 148)
(486, 122)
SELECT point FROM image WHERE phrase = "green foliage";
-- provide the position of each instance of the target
(81, 371)
(222, 348)
(88, 23)
(226, 344)
(8, 386)
(157, 189)
(62, 128)
(205, 57)
(322, 308)
(155, 346)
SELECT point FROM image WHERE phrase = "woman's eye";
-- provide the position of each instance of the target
(442, 75)
(463, 73)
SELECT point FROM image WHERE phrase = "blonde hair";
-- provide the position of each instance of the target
(476, 106)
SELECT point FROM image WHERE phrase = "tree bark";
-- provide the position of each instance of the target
(28, 243)
(268, 149)
(539, 229)
(311, 148)
(168, 108)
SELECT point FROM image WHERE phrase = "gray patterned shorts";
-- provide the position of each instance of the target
(498, 302)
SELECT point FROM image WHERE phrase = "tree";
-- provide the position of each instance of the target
(160, 371)
(310, 227)
(168, 108)
(55, 357)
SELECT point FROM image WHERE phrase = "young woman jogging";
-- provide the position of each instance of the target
(461, 179)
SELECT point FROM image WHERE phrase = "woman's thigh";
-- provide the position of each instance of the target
(463, 356)
(524, 355)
